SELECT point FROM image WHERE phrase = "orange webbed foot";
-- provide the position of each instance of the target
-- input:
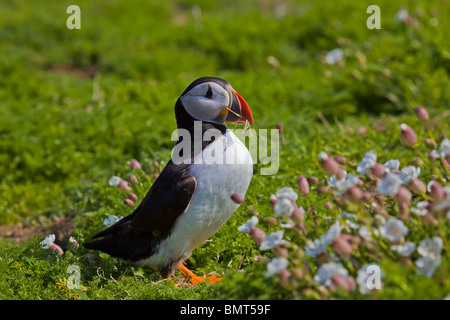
(196, 279)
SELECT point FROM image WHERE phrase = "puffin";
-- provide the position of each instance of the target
(191, 198)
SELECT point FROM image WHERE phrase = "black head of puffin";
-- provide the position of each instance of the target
(214, 100)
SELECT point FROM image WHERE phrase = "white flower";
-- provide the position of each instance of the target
(314, 248)
(318, 246)
(365, 233)
(363, 279)
(326, 271)
(343, 184)
(389, 184)
(253, 221)
(334, 56)
(284, 206)
(272, 240)
(430, 247)
(427, 265)
(420, 208)
(350, 222)
(276, 265)
(392, 165)
(402, 15)
(393, 230)
(369, 160)
(444, 148)
(114, 181)
(286, 192)
(47, 242)
(331, 234)
(405, 249)
(409, 173)
(110, 220)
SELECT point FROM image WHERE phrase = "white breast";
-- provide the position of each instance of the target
(211, 205)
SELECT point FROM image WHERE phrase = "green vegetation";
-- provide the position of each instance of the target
(77, 105)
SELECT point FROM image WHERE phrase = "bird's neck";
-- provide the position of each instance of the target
(185, 121)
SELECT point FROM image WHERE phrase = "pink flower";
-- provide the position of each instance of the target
(407, 135)
(329, 165)
(422, 114)
(403, 195)
(303, 185)
(417, 186)
(73, 243)
(133, 178)
(237, 198)
(257, 235)
(124, 185)
(134, 164)
(128, 202)
(132, 197)
(49, 243)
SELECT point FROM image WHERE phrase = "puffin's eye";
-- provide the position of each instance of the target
(209, 93)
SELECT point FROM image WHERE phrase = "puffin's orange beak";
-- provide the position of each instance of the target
(239, 111)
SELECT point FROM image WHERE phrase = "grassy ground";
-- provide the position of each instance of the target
(77, 105)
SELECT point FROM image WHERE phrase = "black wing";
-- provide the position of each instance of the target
(137, 235)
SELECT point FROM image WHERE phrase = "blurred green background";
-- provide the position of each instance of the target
(75, 105)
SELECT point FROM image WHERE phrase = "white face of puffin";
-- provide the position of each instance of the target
(207, 101)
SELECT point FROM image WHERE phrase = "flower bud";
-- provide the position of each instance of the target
(285, 279)
(323, 189)
(73, 243)
(347, 283)
(56, 249)
(340, 159)
(237, 198)
(271, 220)
(354, 193)
(429, 220)
(133, 178)
(422, 114)
(279, 251)
(128, 202)
(417, 186)
(124, 185)
(403, 195)
(340, 173)
(328, 205)
(297, 215)
(329, 165)
(313, 180)
(156, 164)
(403, 210)
(407, 135)
(280, 127)
(436, 191)
(134, 164)
(378, 171)
(132, 197)
(298, 273)
(303, 185)
(273, 201)
(342, 246)
(429, 142)
(257, 235)
(444, 163)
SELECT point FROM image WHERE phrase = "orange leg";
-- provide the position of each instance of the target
(196, 279)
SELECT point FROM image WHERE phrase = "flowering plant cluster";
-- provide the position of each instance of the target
(378, 211)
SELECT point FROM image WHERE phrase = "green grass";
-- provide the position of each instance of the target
(65, 129)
